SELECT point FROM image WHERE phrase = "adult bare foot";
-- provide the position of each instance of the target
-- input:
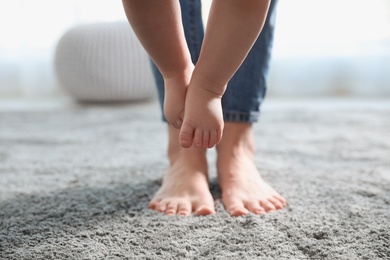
(203, 119)
(185, 187)
(175, 88)
(243, 189)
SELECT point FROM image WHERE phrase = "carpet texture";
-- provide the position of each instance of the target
(75, 184)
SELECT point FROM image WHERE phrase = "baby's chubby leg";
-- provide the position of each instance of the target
(232, 29)
(158, 27)
(203, 120)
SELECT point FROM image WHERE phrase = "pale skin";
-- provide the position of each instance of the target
(232, 29)
(158, 27)
(193, 109)
(185, 187)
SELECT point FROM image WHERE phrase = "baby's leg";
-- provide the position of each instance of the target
(233, 27)
(158, 26)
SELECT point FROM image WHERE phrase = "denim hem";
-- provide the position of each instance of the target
(239, 116)
(234, 116)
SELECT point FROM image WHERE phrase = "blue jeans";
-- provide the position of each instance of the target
(246, 90)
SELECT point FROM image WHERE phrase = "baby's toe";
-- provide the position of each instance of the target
(212, 139)
(186, 136)
(206, 138)
(198, 138)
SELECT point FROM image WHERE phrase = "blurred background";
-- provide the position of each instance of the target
(323, 48)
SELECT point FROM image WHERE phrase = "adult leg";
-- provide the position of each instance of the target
(185, 186)
(243, 189)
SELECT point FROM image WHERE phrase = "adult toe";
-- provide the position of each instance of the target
(184, 209)
(267, 205)
(171, 208)
(236, 207)
(161, 206)
(254, 207)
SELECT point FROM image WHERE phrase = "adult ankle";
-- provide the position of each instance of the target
(237, 137)
(174, 150)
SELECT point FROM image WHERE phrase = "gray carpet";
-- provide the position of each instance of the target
(75, 184)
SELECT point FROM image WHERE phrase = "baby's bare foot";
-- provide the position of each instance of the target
(175, 95)
(185, 187)
(203, 119)
(243, 189)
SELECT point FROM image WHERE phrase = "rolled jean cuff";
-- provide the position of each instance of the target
(241, 117)
(235, 116)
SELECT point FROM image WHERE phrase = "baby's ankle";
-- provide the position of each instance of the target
(175, 94)
(208, 84)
